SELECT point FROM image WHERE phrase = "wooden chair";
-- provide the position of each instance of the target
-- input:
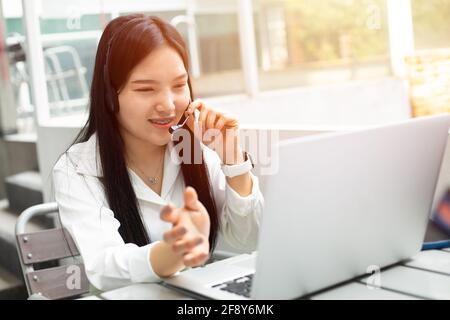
(42, 247)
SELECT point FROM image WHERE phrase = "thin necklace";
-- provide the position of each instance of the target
(154, 179)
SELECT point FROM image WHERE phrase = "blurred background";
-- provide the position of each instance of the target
(297, 67)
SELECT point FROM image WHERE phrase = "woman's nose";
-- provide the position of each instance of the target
(165, 108)
(166, 105)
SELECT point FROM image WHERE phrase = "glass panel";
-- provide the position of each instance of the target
(219, 51)
(431, 20)
(71, 30)
(306, 42)
(17, 75)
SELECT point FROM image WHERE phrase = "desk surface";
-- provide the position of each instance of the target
(144, 291)
(424, 276)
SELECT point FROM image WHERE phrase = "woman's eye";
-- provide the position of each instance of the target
(145, 89)
(179, 86)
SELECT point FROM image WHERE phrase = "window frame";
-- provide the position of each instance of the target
(400, 24)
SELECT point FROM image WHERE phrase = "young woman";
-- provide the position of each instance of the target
(135, 213)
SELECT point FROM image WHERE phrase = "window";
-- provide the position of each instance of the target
(18, 88)
(216, 42)
(214, 48)
(219, 52)
(70, 31)
(298, 42)
(304, 42)
(431, 20)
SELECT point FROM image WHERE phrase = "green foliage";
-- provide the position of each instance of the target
(323, 27)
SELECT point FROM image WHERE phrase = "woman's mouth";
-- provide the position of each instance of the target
(162, 123)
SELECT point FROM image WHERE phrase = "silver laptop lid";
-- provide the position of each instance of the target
(342, 203)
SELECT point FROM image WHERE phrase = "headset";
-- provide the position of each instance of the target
(111, 96)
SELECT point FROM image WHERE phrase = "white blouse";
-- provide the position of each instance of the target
(84, 212)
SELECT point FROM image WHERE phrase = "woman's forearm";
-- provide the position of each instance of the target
(165, 262)
(241, 184)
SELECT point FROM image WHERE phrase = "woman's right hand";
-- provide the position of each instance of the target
(188, 237)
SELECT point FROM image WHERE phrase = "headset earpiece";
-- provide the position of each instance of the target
(111, 97)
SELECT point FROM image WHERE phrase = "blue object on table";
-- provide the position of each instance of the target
(436, 245)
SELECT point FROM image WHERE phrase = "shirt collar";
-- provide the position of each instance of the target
(86, 158)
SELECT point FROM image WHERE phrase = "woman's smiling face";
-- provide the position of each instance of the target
(154, 97)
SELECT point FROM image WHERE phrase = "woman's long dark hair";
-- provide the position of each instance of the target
(125, 42)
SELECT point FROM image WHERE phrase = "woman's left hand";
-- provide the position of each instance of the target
(217, 130)
(190, 232)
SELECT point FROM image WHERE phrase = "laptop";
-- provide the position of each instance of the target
(339, 205)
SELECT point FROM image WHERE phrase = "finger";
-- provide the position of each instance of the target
(174, 234)
(221, 122)
(181, 246)
(211, 136)
(190, 199)
(169, 214)
(196, 104)
(191, 121)
(210, 120)
(231, 121)
(193, 260)
(211, 132)
(202, 119)
(199, 104)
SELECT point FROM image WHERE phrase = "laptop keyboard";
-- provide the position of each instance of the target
(240, 286)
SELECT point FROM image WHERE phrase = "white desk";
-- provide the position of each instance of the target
(356, 290)
(417, 282)
(144, 291)
(425, 276)
(91, 298)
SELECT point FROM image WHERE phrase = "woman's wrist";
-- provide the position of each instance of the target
(164, 261)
